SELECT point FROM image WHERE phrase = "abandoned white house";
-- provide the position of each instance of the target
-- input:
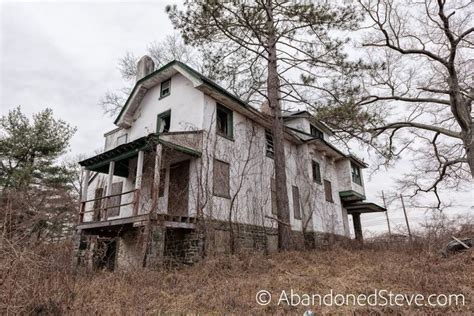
(189, 170)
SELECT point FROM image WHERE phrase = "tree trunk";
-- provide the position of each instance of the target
(273, 86)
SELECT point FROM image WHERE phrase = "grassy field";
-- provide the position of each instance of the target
(39, 280)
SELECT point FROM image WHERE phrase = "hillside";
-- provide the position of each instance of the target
(41, 281)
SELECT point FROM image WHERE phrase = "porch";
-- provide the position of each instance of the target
(135, 178)
(356, 209)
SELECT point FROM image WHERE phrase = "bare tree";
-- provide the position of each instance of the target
(418, 100)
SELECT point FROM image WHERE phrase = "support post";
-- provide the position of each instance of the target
(147, 241)
(357, 227)
(406, 217)
(110, 180)
(138, 182)
(85, 187)
(386, 215)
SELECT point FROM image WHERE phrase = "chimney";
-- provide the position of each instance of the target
(145, 66)
(265, 108)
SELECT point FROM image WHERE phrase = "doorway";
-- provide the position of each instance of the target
(178, 194)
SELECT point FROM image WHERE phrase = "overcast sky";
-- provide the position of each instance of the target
(63, 55)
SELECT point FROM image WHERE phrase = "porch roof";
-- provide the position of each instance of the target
(364, 207)
(126, 151)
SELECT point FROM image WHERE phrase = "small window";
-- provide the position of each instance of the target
(165, 88)
(221, 179)
(122, 140)
(269, 144)
(315, 132)
(296, 203)
(163, 122)
(356, 176)
(224, 121)
(328, 191)
(273, 197)
(316, 172)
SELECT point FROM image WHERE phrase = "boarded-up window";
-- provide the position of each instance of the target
(221, 179)
(328, 191)
(296, 202)
(115, 201)
(274, 200)
(161, 186)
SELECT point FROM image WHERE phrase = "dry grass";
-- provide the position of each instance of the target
(39, 281)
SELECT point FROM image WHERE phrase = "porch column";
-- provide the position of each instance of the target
(157, 173)
(85, 187)
(138, 182)
(357, 226)
(110, 180)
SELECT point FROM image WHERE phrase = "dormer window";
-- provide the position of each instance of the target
(224, 122)
(163, 122)
(356, 175)
(165, 88)
(315, 132)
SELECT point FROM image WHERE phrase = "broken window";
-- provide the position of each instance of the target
(99, 193)
(165, 88)
(356, 176)
(224, 122)
(316, 172)
(296, 203)
(328, 191)
(221, 179)
(315, 132)
(163, 122)
(270, 151)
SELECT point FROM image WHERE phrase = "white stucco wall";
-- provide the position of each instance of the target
(193, 110)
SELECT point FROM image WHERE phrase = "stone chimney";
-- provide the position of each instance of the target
(265, 108)
(145, 66)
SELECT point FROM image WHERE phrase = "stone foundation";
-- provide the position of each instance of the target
(172, 246)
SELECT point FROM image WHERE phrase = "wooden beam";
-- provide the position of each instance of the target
(357, 227)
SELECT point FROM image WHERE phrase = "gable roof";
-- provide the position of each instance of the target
(155, 77)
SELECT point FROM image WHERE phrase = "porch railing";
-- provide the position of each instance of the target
(100, 213)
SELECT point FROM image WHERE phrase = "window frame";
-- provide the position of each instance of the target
(269, 144)
(219, 194)
(160, 117)
(120, 137)
(162, 95)
(317, 179)
(317, 132)
(328, 188)
(356, 174)
(229, 122)
(296, 202)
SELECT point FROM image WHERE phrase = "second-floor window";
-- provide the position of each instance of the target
(165, 88)
(224, 122)
(328, 191)
(315, 132)
(163, 122)
(316, 172)
(270, 150)
(356, 176)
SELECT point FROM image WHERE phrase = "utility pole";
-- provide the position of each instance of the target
(406, 218)
(386, 214)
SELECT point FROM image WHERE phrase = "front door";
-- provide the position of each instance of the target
(178, 189)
